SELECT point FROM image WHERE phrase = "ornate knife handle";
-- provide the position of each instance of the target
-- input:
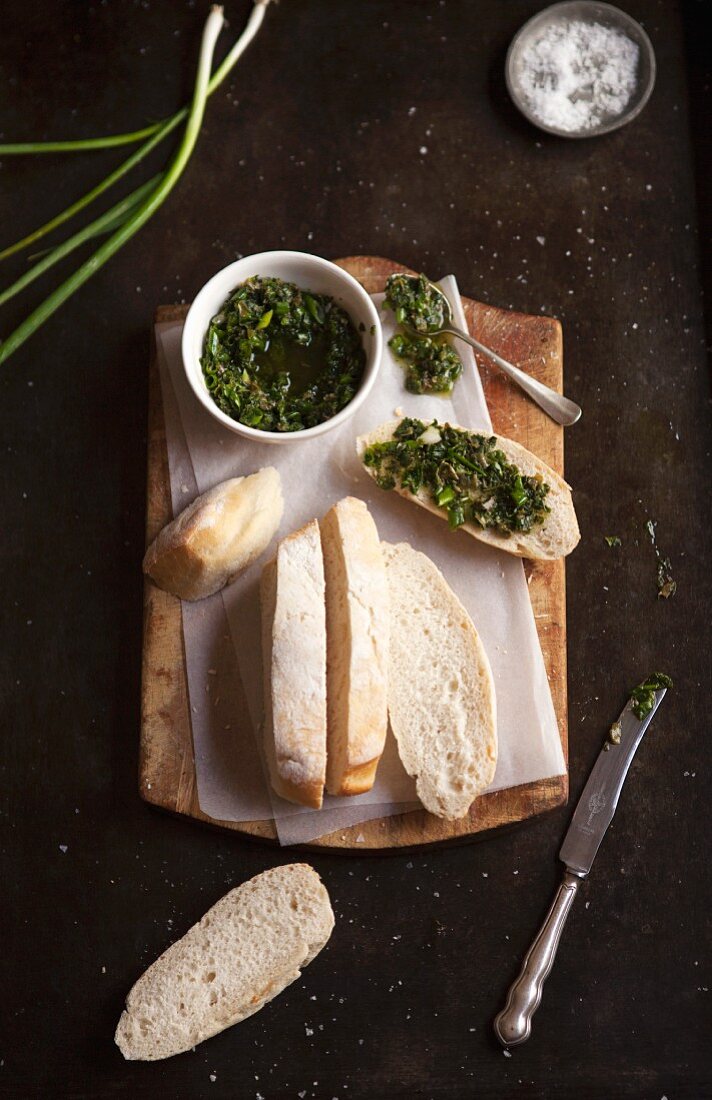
(513, 1025)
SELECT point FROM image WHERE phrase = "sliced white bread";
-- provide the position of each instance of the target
(217, 536)
(554, 538)
(357, 630)
(294, 658)
(245, 950)
(441, 697)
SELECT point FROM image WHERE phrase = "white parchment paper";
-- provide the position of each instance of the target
(224, 631)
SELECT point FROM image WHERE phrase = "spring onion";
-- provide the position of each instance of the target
(156, 133)
(149, 206)
(106, 223)
(125, 219)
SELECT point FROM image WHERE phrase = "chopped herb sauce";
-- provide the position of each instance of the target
(643, 696)
(415, 303)
(281, 359)
(463, 473)
(433, 365)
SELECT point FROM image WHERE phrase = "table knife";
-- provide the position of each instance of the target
(592, 816)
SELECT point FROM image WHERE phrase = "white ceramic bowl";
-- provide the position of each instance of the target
(309, 273)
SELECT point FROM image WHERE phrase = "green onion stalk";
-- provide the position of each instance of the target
(156, 134)
(107, 223)
(126, 218)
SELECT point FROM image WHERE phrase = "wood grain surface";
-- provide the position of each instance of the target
(166, 766)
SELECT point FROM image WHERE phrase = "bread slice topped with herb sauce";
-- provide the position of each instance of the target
(491, 487)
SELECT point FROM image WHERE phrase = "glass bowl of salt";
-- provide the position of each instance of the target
(580, 69)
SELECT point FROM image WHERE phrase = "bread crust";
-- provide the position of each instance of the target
(358, 628)
(555, 538)
(294, 660)
(217, 536)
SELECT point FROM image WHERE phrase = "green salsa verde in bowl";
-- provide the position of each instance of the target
(281, 346)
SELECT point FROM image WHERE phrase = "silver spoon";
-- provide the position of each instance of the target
(558, 407)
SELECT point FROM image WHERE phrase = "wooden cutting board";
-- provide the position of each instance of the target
(166, 766)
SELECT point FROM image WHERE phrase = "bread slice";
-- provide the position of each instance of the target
(249, 947)
(554, 538)
(294, 657)
(441, 696)
(217, 536)
(357, 630)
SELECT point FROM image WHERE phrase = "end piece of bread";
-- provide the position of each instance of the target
(357, 631)
(217, 536)
(245, 950)
(554, 538)
(441, 695)
(294, 656)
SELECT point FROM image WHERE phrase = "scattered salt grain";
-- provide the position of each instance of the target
(575, 75)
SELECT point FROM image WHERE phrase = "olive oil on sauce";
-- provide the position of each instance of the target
(301, 363)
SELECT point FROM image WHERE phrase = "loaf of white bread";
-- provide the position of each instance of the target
(554, 538)
(249, 947)
(325, 628)
(356, 631)
(217, 536)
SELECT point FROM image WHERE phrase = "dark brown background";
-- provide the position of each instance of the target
(313, 145)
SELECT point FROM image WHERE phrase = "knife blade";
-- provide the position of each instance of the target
(592, 816)
(599, 798)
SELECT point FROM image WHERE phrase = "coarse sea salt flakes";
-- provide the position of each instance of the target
(575, 75)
